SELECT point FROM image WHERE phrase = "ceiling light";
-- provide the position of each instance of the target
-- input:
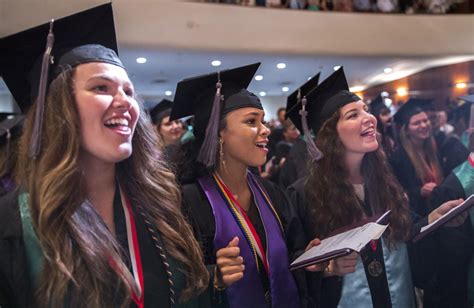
(336, 67)
(461, 85)
(141, 60)
(387, 70)
(168, 93)
(281, 65)
(285, 89)
(259, 77)
(262, 93)
(402, 91)
(356, 89)
(216, 63)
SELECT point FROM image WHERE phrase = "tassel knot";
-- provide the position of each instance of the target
(313, 151)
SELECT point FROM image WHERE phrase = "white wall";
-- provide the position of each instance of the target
(271, 105)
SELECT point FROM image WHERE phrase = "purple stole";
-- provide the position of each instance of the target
(248, 292)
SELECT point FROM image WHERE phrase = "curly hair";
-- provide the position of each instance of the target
(75, 241)
(332, 200)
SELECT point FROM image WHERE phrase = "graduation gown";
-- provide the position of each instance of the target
(406, 175)
(295, 166)
(452, 151)
(200, 213)
(455, 248)
(393, 288)
(16, 270)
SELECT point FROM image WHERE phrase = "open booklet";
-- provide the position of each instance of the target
(342, 244)
(454, 212)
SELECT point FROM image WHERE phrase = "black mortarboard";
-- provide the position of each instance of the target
(296, 111)
(410, 108)
(4, 115)
(22, 52)
(161, 110)
(209, 98)
(466, 110)
(322, 102)
(378, 105)
(331, 94)
(292, 106)
(31, 59)
(10, 128)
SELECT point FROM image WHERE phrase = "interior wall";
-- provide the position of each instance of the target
(437, 83)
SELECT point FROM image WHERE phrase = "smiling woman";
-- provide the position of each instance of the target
(352, 181)
(246, 226)
(96, 221)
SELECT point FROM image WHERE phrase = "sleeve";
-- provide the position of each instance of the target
(450, 189)
(198, 212)
(406, 176)
(453, 153)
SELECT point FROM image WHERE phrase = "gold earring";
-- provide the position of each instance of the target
(221, 153)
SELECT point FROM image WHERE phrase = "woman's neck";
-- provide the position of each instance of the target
(353, 164)
(234, 175)
(99, 178)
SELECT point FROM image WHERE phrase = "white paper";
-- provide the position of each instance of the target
(432, 225)
(354, 239)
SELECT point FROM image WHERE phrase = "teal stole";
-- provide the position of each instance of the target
(355, 288)
(465, 175)
(34, 254)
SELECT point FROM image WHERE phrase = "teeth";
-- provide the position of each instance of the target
(117, 121)
(261, 145)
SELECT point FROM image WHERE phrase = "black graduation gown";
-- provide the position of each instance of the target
(451, 151)
(406, 175)
(295, 166)
(326, 292)
(199, 211)
(454, 250)
(15, 282)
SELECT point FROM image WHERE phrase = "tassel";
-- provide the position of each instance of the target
(35, 143)
(314, 153)
(208, 152)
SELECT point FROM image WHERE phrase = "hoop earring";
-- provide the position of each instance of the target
(221, 154)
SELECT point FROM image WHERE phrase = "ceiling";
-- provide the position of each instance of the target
(180, 39)
(165, 68)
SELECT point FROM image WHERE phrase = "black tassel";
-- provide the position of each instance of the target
(35, 143)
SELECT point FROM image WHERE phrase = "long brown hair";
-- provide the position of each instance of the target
(74, 239)
(426, 164)
(332, 200)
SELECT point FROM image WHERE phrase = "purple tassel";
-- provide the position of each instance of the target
(208, 153)
(35, 143)
(314, 153)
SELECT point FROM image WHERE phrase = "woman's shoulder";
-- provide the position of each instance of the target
(10, 221)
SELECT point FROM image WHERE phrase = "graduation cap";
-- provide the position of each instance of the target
(378, 105)
(466, 110)
(323, 101)
(4, 115)
(293, 100)
(209, 98)
(295, 110)
(410, 108)
(31, 59)
(160, 111)
(10, 128)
